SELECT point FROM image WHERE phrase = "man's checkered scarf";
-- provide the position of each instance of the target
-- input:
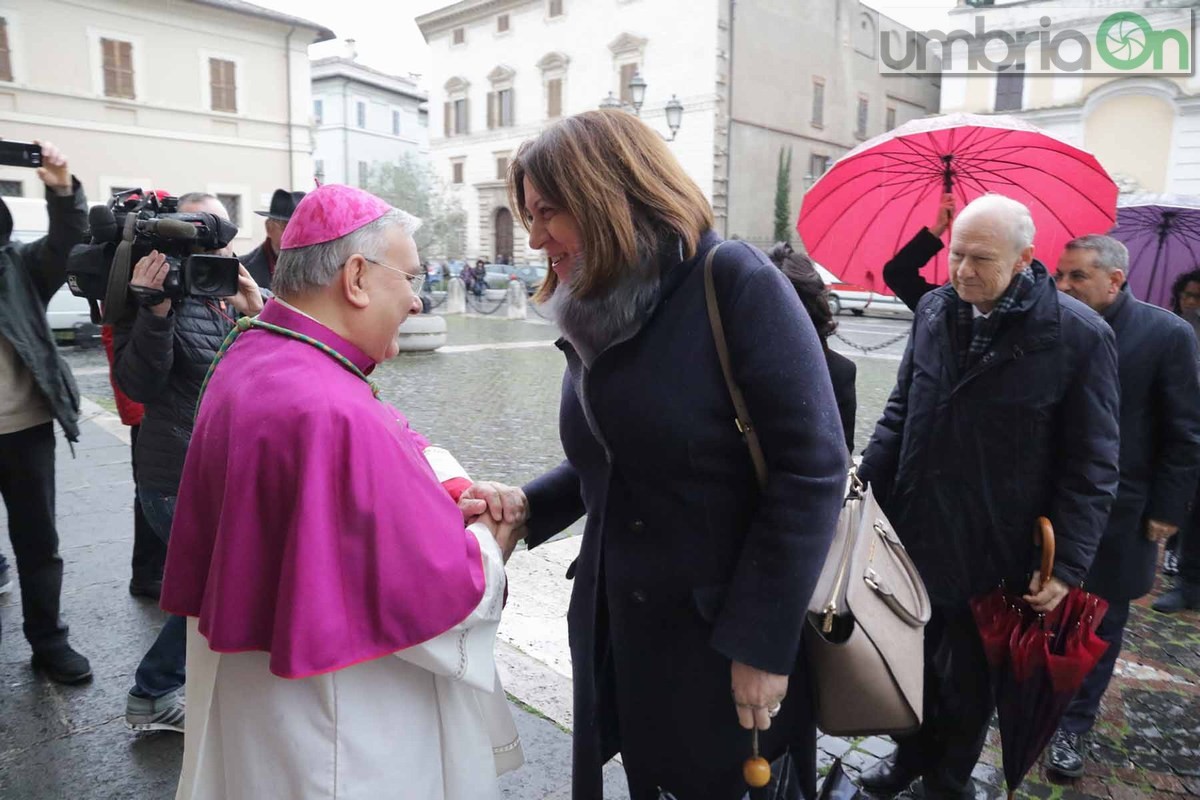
(981, 332)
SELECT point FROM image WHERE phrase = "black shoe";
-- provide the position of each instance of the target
(145, 588)
(887, 777)
(1170, 563)
(1184, 597)
(919, 791)
(1064, 756)
(61, 664)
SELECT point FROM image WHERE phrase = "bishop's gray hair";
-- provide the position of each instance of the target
(1110, 254)
(303, 269)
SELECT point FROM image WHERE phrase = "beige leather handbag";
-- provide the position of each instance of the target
(866, 626)
(864, 637)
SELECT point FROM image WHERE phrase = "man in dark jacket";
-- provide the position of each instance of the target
(903, 273)
(1160, 459)
(36, 388)
(260, 262)
(161, 356)
(1181, 556)
(1005, 409)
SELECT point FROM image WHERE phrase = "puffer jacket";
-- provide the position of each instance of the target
(161, 362)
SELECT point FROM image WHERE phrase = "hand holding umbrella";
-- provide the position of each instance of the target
(945, 213)
(1038, 659)
(1045, 593)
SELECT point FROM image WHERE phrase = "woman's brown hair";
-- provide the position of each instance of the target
(620, 182)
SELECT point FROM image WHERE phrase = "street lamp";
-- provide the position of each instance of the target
(674, 110)
(637, 92)
(637, 96)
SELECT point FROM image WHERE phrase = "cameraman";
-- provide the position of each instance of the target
(36, 388)
(162, 353)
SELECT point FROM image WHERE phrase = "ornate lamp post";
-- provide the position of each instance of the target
(637, 97)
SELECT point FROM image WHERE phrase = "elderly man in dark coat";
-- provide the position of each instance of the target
(1160, 459)
(1005, 409)
(260, 262)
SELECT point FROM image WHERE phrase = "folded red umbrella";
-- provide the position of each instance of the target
(1037, 662)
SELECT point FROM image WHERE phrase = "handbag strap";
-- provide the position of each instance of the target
(744, 425)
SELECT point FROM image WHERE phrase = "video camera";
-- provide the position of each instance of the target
(132, 225)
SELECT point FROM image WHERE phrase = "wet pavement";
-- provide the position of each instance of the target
(497, 410)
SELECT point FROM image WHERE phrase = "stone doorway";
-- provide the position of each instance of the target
(502, 224)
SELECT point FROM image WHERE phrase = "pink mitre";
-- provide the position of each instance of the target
(330, 212)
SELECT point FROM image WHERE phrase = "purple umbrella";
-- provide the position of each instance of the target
(1162, 232)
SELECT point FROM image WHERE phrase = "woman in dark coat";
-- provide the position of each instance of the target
(691, 585)
(798, 269)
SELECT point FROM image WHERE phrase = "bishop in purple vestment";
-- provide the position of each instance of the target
(342, 613)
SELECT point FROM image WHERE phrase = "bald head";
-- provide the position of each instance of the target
(203, 203)
(992, 240)
(1004, 213)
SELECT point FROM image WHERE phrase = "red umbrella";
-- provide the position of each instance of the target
(1037, 662)
(877, 196)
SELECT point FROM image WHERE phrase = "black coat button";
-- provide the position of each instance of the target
(637, 526)
(638, 596)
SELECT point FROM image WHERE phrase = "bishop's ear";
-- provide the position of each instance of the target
(354, 281)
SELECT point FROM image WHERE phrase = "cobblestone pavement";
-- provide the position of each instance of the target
(1146, 743)
(497, 410)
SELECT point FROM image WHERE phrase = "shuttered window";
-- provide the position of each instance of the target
(1010, 87)
(222, 79)
(554, 98)
(627, 73)
(500, 109)
(5, 52)
(117, 57)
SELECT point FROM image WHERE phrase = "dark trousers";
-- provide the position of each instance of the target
(27, 483)
(149, 552)
(958, 706)
(162, 669)
(1188, 547)
(1081, 714)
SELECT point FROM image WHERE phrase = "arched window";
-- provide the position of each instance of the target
(456, 110)
(554, 77)
(501, 107)
(865, 38)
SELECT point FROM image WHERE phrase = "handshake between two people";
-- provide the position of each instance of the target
(503, 509)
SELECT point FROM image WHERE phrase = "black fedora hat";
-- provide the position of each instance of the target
(283, 205)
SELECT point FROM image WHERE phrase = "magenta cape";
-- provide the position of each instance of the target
(309, 524)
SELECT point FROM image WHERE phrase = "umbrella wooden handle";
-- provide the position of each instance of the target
(1045, 537)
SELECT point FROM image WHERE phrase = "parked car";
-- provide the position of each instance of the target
(531, 275)
(498, 275)
(857, 299)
